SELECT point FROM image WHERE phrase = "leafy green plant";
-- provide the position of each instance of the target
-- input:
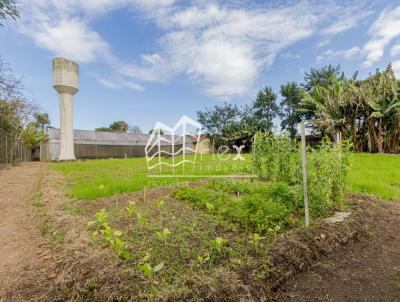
(273, 231)
(148, 270)
(131, 208)
(202, 259)
(111, 237)
(101, 219)
(130, 212)
(263, 208)
(164, 234)
(256, 239)
(120, 247)
(278, 158)
(160, 203)
(209, 206)
(219, 244)
(141, 219)
(108, 233)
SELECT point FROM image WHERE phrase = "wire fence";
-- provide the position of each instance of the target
(12, 151)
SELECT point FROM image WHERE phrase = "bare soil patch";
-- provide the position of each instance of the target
(366, 270)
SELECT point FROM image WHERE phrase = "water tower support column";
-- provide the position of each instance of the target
(65, 81)
(66, 127)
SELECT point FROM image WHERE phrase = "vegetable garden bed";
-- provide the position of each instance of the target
(173, 250)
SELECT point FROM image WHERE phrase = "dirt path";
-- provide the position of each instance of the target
(22, 258)
(363, 271)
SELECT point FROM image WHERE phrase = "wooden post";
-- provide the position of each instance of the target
(304, 162)
(6, 149)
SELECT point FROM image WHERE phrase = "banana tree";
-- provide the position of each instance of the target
(384, 101)
(329, 106)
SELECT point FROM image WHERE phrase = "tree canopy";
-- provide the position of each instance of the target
(8, 9)
(365, 111)
(117, 126)
(229, 124)
(19, 117)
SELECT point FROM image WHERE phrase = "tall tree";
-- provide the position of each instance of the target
(119, 126)
(383, 121)
(366, 111)
(328, 103)
(265, 109)
(19, 117)
(135, 130)
(218, 118)
(321, 77)
(290, 104)
(229, 124)
(42, 120)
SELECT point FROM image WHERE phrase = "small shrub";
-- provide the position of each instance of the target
(160, 203)
(219, 244)
(131, 208)
(164, 234)
(108, 235)
(255, 239)
(148, 270)
(202, 259)
(277, 158)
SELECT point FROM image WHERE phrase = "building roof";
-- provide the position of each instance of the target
(105, 138)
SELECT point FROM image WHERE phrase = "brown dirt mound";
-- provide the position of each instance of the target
(368, 270)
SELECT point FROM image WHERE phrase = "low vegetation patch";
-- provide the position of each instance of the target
(164, 249)
(376, 174)
(254, 206)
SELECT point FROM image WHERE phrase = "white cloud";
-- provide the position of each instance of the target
(323, 43)
(53, 25)
(383, 31)
(346, 20)
(112, 84)
(72, 39)
(221, 47)
(152, 58)
(349, 54)
(290, 55)
(395, 51)
(224, 49)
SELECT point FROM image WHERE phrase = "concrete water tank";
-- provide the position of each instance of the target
(65, 81)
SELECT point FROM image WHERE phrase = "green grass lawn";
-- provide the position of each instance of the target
(92, 179)
(374, 174)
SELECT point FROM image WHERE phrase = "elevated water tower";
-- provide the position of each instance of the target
(65, 81)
